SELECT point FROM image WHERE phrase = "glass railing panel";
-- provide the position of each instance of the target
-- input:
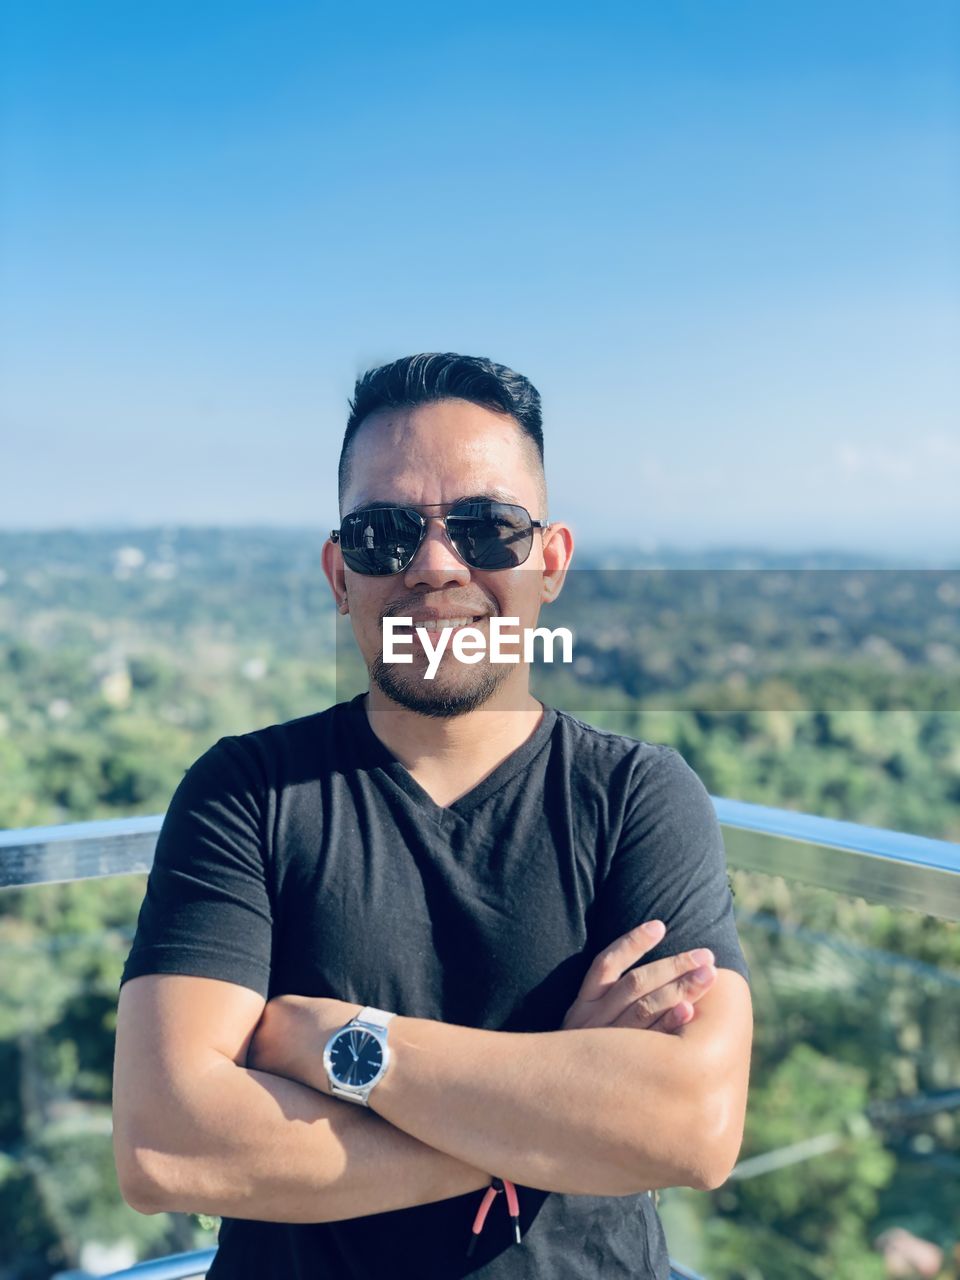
(62, 948)
(904, 871)
(851, 1152)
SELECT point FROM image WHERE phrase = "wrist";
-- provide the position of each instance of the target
(291, 1035)
(322, 1017)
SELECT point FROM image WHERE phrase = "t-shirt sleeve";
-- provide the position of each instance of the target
(670, 865)
(207, 909)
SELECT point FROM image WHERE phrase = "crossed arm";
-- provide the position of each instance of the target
(597, 1111)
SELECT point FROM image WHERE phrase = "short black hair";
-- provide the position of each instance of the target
(432, 376)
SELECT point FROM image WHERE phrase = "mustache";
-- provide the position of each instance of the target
(447, 607)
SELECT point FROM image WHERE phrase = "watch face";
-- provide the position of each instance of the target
(356, 1057)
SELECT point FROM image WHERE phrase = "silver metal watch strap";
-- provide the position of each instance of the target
(377, 1017)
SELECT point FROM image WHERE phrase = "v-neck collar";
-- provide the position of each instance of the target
(376, 754)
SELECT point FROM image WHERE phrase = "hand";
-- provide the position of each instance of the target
(659, 996)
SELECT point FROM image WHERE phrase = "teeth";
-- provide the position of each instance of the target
(440, 623)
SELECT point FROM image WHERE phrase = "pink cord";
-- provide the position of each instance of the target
(488, 1198)
(513, 1205)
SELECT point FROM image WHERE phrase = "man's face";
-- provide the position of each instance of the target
(438, 453)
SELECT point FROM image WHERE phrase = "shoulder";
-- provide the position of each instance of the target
(286, 734)
(647, 781)
(275, 754)
(591, 747)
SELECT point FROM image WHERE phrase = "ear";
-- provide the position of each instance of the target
(557, 553)
(336, 574)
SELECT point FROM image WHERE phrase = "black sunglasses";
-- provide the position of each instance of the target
(485, 535)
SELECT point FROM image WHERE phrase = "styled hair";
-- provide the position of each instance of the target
(432, 376)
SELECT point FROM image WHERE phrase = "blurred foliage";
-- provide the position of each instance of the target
(830, 690)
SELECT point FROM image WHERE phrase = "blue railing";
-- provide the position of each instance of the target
(891, 867)
(193, 1266)
(178, 1266)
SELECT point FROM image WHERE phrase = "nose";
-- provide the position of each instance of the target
(436, 563)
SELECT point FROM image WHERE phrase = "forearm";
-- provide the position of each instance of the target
(247, 1144)
(599, 1111)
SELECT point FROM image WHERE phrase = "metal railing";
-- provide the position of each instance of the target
(193, 1266)
(888, 867)
(178, 1266)
(893, 868)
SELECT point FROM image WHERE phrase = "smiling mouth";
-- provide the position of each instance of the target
(456, 624)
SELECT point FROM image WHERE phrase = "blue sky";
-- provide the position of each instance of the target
(722, 240)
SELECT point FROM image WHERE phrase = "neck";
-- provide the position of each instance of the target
(464, 747)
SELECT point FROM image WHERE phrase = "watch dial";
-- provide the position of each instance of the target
(356, 1057)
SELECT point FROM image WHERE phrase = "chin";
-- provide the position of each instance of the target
(441, 697)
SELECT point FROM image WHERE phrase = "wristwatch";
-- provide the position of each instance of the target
(356, 1056)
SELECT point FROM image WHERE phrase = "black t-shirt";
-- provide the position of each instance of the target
(304, 858)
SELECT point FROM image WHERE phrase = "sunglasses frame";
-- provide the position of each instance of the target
(424, 521)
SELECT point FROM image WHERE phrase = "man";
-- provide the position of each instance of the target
(466, 869)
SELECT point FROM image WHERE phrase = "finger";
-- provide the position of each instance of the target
(652, 988)
(649, 988)
(646, 978)
(609, 964)
(645, 1010)
(674, 1018)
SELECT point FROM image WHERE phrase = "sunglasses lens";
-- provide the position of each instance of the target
(491, 535)
(381, 540)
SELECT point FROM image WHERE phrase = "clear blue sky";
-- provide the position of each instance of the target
(722, 239)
